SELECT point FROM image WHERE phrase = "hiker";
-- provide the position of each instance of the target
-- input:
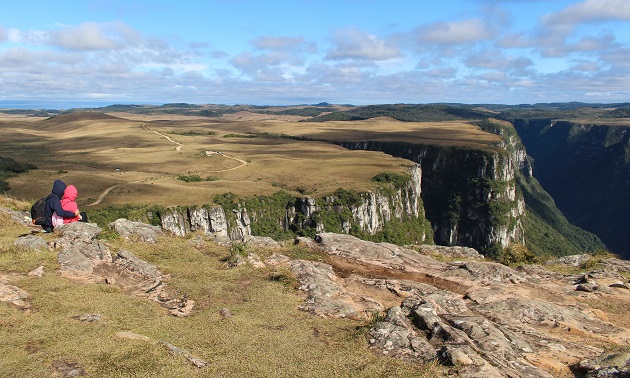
(68, 203)
(53, 205)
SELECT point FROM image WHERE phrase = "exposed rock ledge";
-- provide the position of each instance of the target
(484, 318)
(83, 257)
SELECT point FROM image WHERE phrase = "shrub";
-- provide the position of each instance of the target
(398, 180)
(190, 178)
(517, 254)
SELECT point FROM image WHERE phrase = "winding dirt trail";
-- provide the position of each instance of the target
(179, 145)
(102, 196)
(243, 163)
(106, 191)
(178, 149)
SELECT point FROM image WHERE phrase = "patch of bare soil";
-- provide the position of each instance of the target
(345, 268)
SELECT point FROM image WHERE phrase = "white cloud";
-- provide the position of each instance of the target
(3, 34)
(442, 73)
(515, 40)
(86, 36)
(338, 74)
(355, 44)
(31, 37)
(492, 59)
(586, 66)
(290, 44)
(590, 11)
(454, 32)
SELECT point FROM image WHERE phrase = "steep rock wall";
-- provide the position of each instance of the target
(390, 213)
(585, 167)
(470, 196)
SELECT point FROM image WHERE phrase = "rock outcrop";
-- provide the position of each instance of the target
(483, 318)
(31, 242)
(86, 258)
(145, 232)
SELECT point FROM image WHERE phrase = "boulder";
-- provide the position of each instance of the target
(78, 232)
(254, 259)
(129, 229)
(31, 242)
(21, 217)
(261, 242)
(607, 365)
(396, 336)
(37, 272)
(277, 259)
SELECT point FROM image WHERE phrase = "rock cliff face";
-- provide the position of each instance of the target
(368, 214)
(470, 196)
(595, 160)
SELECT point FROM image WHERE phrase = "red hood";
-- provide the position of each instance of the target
(69, 195)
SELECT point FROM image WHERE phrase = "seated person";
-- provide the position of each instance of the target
(68, 204)
(53, 205)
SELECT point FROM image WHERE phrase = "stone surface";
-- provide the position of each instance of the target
(326, 297)
(31, 242)
(21, 217)
(261, 242)
(37, 272)
(68, 369)
(13, 295)
(277, 259)
(129, 229)
(84, 257)
(573, 260)
(608, 365)
(483, 318)
(254, 259)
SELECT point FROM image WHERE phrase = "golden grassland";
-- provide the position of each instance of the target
(96, 151)
(267, 336)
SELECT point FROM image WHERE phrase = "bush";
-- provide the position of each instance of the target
(398, 180)
(517, 254)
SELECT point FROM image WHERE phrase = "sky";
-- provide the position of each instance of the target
(281, 52)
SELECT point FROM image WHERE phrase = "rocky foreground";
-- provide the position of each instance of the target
(481, 318)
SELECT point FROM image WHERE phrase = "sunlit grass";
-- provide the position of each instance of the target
(267, 336)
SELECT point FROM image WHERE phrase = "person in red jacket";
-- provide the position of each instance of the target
(68, 203)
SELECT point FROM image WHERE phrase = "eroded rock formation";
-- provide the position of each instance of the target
(484, 318)
(83, 257)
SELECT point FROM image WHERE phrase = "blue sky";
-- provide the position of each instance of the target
(308, 51)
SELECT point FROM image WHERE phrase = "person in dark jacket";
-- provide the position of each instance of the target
(53, 205)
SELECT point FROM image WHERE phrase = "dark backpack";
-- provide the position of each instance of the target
(38, 211)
